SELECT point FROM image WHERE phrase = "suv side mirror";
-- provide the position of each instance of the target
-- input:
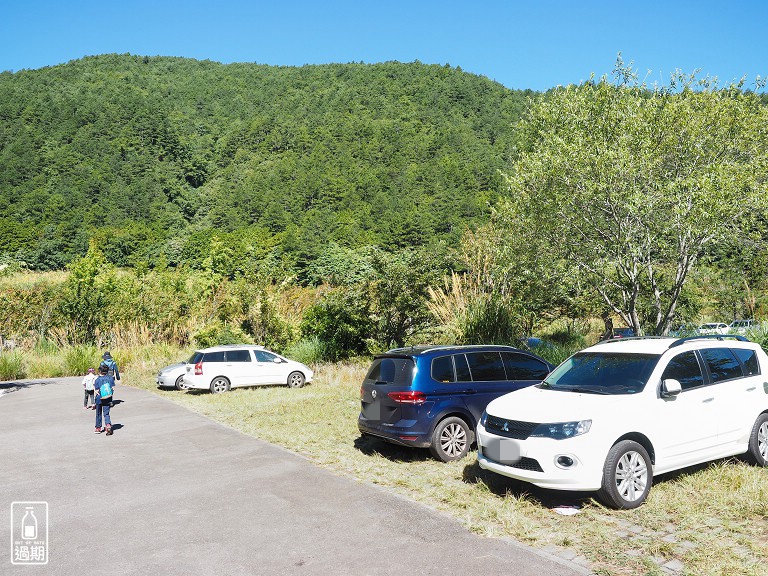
(670, 388)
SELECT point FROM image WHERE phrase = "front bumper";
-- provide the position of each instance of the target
(534, 460)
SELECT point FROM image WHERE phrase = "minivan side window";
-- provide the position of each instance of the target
(442, 369)
(214, 357)
(262, 356)
(238, 356)
(685, 369)
(749, 359)
(486, 366)
(722, 364)
(523, 367)
(462, 368)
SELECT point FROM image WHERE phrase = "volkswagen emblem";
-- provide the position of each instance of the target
(373, 393)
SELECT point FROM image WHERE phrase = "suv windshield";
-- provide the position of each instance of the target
(602, 373)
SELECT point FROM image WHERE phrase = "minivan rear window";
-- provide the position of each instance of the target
(392, 371)
(195, 358)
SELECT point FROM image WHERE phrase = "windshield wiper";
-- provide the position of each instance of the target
(587, 391)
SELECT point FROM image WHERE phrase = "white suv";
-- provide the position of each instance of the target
(223, 367)
(613, 415)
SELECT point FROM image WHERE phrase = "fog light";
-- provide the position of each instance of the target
(564, 461)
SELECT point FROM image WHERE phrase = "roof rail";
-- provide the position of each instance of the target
(681, 341)
(624, 338)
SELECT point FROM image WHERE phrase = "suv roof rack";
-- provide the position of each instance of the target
(681, 341)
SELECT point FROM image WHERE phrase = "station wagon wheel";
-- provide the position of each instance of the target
(627, 476)
(451, 439)
(179, 384)
(758, 442)
(296, 380)
(219, 385)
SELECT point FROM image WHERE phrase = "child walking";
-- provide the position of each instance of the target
(103, 386)
(88, 389)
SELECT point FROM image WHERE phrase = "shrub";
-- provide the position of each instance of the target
(342, 323)
(217, 334)
(489, 320)
(310, 350)
(12, 366)
(78, 359)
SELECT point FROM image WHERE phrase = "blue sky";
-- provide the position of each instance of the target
(519, 43)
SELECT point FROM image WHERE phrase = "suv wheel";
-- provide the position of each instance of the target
(219, 385)
(451, 439)
(627, 476)
(758, 442)
(296, 380)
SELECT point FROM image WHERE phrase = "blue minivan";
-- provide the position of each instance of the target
(433, 396)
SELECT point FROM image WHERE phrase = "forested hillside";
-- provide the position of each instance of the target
(154, 157)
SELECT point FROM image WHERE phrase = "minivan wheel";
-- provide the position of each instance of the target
(219, 385)
(451, 439)
(627, 476)
(296, 380)
(758, 442)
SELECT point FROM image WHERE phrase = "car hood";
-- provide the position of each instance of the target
(534, 404)
(173, 367)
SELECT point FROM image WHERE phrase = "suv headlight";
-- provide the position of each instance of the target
(562, 430)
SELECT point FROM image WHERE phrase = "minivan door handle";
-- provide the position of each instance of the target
(751, 388)
(707, 400)
(469, 391)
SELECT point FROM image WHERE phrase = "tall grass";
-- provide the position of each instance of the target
(78, 359)
(12, 366)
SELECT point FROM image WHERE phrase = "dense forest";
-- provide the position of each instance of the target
(156, 158)
(341, 209)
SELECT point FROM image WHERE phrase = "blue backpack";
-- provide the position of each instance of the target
(105, 388)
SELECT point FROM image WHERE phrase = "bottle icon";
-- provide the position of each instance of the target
(29, 524)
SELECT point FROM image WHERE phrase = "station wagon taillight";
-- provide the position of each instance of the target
(199, 369)
(409, 397)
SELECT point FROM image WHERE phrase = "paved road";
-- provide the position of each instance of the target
(174, 493)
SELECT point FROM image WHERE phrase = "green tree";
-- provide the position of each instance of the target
(633, 184)
(86, 294)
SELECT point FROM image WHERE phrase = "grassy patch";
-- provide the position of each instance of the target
(712, 519)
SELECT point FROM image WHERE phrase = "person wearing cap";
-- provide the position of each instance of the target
(88, 387)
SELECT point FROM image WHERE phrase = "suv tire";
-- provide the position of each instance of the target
(451, 439)
(627, 476)
(758, 442)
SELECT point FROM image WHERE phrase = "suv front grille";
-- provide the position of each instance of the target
(509, 428)
(529, 464)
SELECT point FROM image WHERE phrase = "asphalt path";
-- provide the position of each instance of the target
(174, 493)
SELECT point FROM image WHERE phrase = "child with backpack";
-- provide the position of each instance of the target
(104, 385)
(112, 370)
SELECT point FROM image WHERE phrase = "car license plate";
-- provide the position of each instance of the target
(502, 450)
